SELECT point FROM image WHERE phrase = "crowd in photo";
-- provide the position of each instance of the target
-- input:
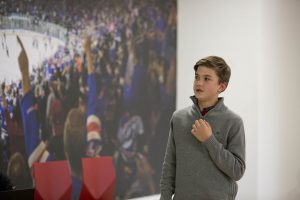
(132, 92)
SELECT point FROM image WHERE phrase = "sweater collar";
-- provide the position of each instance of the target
(219, 106)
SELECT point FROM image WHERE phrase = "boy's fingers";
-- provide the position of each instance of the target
(201, 121)
(207, 124)
(20, 42)
(194, 127)
(197, 123)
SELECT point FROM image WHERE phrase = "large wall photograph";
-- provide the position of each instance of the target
(87, 78)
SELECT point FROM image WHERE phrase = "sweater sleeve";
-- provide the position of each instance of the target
(231, 160)
(167, 182)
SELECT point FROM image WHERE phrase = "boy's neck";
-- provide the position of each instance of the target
(207, 104)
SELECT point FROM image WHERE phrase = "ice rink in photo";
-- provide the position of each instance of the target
(39, 47)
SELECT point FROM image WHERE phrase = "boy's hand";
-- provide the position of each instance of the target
(201, 130)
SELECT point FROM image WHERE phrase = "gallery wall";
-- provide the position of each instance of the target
(279, 95)
(260, 41)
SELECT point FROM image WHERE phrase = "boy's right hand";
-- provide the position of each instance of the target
(201, 130)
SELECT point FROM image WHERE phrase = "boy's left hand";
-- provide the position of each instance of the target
(201, 130)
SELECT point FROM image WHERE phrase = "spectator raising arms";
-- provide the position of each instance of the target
(79, 139)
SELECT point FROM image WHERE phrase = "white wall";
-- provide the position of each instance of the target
(279, 101)
(261, 42)
(230, 29)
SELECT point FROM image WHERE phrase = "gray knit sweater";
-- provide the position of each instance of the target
(194, 170)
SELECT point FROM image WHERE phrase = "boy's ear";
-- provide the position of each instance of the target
(222, 87)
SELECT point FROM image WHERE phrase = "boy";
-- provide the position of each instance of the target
(205, 154)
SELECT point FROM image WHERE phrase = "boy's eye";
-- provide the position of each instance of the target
(206, 79)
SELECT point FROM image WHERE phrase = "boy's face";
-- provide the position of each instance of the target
(206, 85)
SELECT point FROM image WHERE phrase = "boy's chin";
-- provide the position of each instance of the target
(199, 97)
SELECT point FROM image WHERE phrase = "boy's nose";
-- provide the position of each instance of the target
(199, 82)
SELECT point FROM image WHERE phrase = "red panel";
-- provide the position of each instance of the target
(98, 178)
(52, 180)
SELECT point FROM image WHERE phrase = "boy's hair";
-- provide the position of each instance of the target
(218, 64)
